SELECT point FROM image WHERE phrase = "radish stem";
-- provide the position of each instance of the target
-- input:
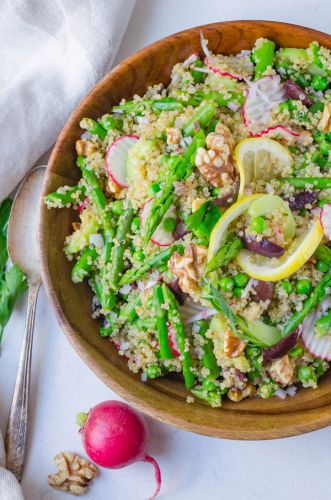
(157, 473)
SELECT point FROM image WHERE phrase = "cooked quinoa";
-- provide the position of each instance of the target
(202, 206)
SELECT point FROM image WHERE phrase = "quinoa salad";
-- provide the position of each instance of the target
(205, 223)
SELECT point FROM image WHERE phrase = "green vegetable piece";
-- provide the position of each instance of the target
(237, 292)
(259, 332)
(5, 208)
(198, 76)
(128, 311)
(169, 224)
(226, 284)
(135, 224)
(266, 390)
(292, 55)
(252, 351)
(94, 188)
(323, 253)
(258, 224)
(296, 351)
(166, 104)
(153, 371)
(12, 286)
(319, 82)
(162, 325)
(303, 286)
(224, 255)
(94, 127)
(154, 261)
(176, 321)
(154, 188)
(323, 324)
(213, 398)
(241, 280)
(262, 57)
(317, 106)
(81, 418)
(315, 53)
(123, 227)
(201, 118)
(71, 196)
(208, 359)
(108, 122)
(287, 286)
(325, 147)
(315, 297)
(303, 182)
(323, 267)
(305, 374)
(117, 207)
(84, 265)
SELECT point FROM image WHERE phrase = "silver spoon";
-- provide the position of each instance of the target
(23, 250)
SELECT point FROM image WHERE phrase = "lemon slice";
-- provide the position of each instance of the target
(266, 269)
(261, 158)
(219, 233)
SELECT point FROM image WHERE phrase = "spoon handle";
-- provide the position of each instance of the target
(16, 433)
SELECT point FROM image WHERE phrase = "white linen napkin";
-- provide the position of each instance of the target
(51, 53)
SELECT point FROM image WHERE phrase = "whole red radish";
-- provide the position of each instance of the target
(114, 435)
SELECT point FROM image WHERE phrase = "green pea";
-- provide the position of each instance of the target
(287, 286)
(226, 284)
(258, 224)
(325, 148)
(319, 82)
(241, 279)
(252, 351)
(208, 384)
(215, 191)
(296, 351)
(305, 373)
(135, 224)
(154, 188)
(139, 255)
(303, 286)
(169, 224)
(319, 137)
(153, 371)
(323, 267)
(117, 207)
(293, 149)
(237, 292)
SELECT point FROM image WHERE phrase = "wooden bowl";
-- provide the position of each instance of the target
(163, 399)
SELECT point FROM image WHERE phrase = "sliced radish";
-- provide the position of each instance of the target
(116, 158)
(83, 204)
(172, 341)
(204, 45)
(325, 219)
(276, 131)
(160, 237)
(320, 347)
(218, 71)
(262, 96)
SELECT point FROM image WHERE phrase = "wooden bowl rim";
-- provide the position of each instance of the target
(270, 426)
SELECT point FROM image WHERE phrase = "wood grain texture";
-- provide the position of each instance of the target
(163, 399)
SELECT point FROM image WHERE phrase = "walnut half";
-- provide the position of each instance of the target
(74, 473)
(216, 163)
(188, 267)
(237, 395)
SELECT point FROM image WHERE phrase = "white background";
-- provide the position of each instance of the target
(193, 467)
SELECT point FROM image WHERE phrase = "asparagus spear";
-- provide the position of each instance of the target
(128, 311)
(224, 255)
(202, 117)
(95, 190)
(324, 253)
(123, 226)
(316, 296)
(162, 327)
(94, 127)
(72, 195)
(154, 261)
(208, 358)
(175, 319)
(302, 182)
(108, 235)
(263, 56)
(84, 265)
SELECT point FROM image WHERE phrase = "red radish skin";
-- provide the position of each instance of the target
(116, 158)
(83, 204)
(286, 132)
(319, 347)
(325, 220)
(217, 71)
(114, 435)
(172, 341)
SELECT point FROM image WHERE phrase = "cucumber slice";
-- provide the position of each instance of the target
(260, 333)
(267, 205)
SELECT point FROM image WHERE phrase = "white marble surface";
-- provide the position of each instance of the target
(193, 466)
